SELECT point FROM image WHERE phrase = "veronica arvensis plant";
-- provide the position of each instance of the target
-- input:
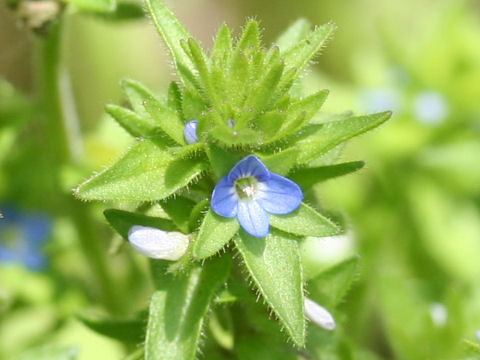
(228, 155)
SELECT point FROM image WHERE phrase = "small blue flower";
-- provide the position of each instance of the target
(22, 236)
(431, 107)
(190, 132)
(250, 192)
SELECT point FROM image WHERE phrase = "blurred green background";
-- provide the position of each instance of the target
(413, 210)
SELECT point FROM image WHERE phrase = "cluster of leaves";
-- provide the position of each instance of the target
(246, 100)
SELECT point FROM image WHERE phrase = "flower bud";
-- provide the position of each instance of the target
(319, 315)
(190, 132)
(158, 244)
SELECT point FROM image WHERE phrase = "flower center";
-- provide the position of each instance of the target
(246, 187)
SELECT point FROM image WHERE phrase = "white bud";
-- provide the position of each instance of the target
(319, 315)
(478, 335)
(158, 244)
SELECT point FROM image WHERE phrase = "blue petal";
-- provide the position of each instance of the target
(279, 195)
(253, 219)
(249, 166)
(224, 199)
(190, 132)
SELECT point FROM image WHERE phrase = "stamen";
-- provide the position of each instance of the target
(246, 187)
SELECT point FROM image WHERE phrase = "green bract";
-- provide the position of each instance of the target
(241, 95)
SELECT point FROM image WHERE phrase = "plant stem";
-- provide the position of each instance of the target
(61, 146)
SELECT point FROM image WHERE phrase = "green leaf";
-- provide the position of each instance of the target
(137, 94)
(221, 160)
(192, 105)
(221, 326)
(307, 177)
(238, 72)
(50, 352)
(166, 118)
(307, 107)
(197, 214)
(130, 331)
(302, 54)
(260, 95)
(172, 32)
(316, 140)
(145, 173)
(250, 37)
(222, 47)
(230, 137)
(122, 221)
(332, 285)
(200, 62)
(214, 233)
(134, 124)
(178, 307)
(100, 6)
(174, 99)
(281, 162)
(293, 35)
(270, 122)
(305, 221)
(179, 209)
(274, 265)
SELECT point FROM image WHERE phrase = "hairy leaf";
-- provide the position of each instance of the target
(274, 265)
(222, 47)
(178, 307)
(166, 118)
(134, 124)
(316, 140)
(307, 177)
(179, 209)
(137, 94)
(214, 233)
(302, 54)
(293, 35)
(145, 173)
(172, 32)
(305, 221)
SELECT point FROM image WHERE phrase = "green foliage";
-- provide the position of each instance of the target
(214, 233)
(178, 307)
(305, 221)
(329, 287)
(146, 172)
(243, 97)
(274, 265)
(130, 331)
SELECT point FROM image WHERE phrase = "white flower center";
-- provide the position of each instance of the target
(246, 187)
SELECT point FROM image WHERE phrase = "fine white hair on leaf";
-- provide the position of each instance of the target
(319, 315)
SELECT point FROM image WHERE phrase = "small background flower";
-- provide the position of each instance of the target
(22, 236)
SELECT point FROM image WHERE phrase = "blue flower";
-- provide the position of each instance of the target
(250, 192)
(431, 107)
(190, 132)
(22, 236)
